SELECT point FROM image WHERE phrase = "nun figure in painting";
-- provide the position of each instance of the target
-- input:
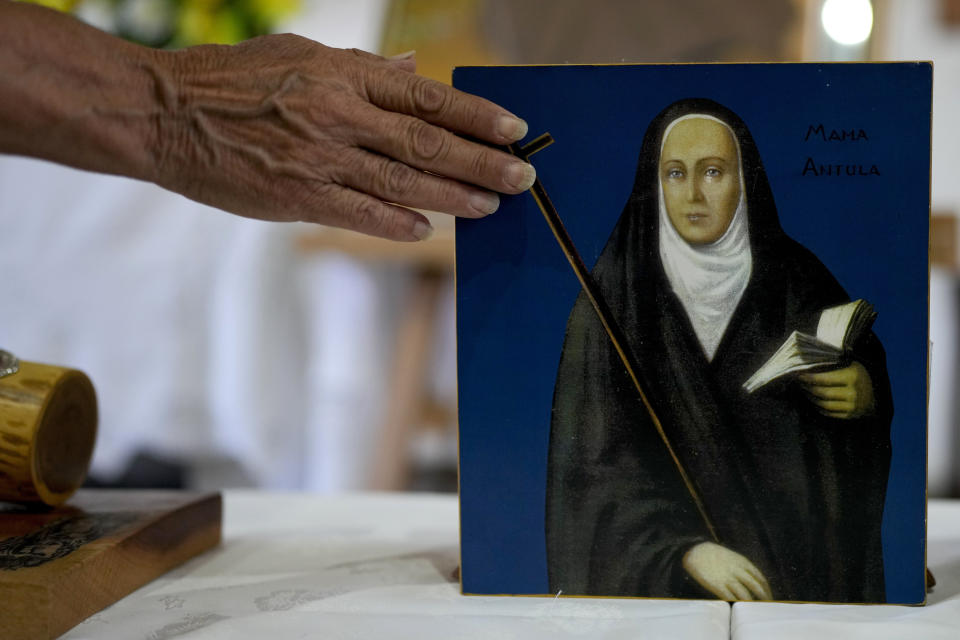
(706, 285)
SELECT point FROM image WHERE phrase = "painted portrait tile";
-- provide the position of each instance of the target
(719, 209)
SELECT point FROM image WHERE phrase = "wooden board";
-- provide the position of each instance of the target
(62, 565)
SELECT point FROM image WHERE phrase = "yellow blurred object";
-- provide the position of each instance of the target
(228, 21)
(59, 5)
(273, 10)
(193, 23)
(197, 24)
(226, 27)
(205, 5)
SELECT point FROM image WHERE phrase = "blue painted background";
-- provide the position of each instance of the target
(515, 288)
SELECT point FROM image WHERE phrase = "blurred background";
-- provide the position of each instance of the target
(229, 352)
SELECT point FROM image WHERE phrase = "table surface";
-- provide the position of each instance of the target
(382, 566)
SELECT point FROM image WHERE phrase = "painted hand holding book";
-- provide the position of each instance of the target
(839, 328)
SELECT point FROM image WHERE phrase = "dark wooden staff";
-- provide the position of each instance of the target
(600, 306)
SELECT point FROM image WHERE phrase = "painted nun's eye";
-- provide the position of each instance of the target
(712, 172)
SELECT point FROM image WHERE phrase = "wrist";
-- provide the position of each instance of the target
(124, 116)
(187, 88)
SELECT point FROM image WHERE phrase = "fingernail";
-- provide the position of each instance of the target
(406, 55)
(520, 175)
(422, 230)
(511, 127)
(484, 203)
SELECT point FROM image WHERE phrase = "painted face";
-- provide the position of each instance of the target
(700, 177)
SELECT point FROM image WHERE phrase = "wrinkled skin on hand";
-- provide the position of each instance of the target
(725, 573)
(845, 393)
(283, 128)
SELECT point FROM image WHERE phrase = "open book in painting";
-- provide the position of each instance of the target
(838, 329)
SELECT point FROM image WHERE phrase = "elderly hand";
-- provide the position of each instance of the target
(843, 393)
(277, 128)
(283, 128)
(725, 573)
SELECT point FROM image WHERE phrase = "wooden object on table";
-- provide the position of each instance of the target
(59, 566)
(48, 425)
(432, 262)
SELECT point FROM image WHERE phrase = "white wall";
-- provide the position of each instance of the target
(355, 24)
(914, 32)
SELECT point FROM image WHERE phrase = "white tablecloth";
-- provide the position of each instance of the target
(381, 566)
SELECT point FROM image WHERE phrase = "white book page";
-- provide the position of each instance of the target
(834, 322)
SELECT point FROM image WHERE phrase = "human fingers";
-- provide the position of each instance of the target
(739, 590)
(406, 61)
(757, 589)
(443, 106)
(841, 414)
(824, 378)
(836, 402)
(398, 183)
(757, 575)
(431, 148)
(364, 55)
(407, 66)
(718, 591)
(349, 209)
(828, 392)
(724, 592)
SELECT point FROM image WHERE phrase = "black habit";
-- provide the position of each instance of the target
(799, 494)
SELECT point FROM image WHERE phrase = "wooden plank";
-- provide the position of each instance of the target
(62, 565)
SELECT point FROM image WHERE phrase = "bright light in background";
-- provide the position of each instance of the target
(847, 21)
